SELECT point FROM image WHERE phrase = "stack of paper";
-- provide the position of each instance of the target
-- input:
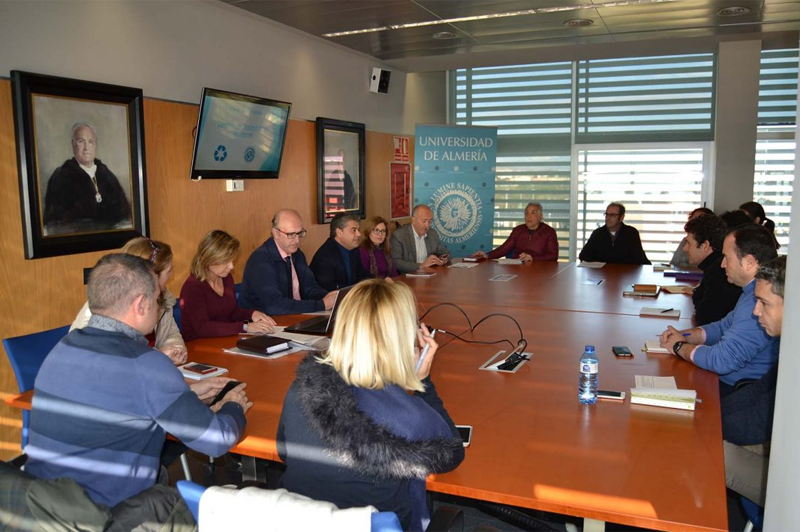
(589, 264)
(662, 391)
(677, 289)
(657, 312)
(465, 265)
(508, 261)
(420, 273)
(654, 346)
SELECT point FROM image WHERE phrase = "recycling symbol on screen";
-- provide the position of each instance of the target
(220, 154)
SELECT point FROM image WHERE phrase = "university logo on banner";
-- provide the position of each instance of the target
(454, 176)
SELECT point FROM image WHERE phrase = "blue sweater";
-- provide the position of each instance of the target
(103, 403)
(737, 347)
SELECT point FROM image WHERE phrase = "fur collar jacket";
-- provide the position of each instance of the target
(356, 442)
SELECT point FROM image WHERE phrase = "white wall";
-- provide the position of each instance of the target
(173, 48)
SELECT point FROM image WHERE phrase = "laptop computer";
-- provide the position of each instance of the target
(320, 325)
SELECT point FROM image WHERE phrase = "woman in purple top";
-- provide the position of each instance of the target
(208, 299)
(376, 255)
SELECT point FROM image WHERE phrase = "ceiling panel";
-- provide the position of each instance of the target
(622, 23)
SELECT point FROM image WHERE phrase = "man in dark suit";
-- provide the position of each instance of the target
(337, 262)
(277, 279)
(417, 245)
(614, 242)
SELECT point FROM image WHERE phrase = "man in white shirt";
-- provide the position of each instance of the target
(417, 245)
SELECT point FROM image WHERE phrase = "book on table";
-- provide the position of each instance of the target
(198, 372)
(657, 312)
(642, 290)
(654, 346)
(263, 344)
(662, 391)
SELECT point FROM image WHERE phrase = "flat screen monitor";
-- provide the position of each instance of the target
(239, 136)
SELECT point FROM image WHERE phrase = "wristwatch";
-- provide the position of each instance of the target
(677, 347)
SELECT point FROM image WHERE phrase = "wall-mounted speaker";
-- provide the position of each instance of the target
(380, 80)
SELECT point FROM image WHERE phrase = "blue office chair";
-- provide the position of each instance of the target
(26, 354)
(191, 493)
(755, 515)
(176, 313)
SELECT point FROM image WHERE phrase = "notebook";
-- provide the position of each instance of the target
(263, 345)
(321, 325)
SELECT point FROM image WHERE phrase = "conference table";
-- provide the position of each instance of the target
(534, 445)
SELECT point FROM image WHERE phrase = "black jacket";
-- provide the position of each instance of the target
(329, 270)
(334, 452)
(714, 297)
(626, 248)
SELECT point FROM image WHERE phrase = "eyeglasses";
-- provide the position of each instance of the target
(155, 249)
(291, 236)
(611, 214)
(379, 231)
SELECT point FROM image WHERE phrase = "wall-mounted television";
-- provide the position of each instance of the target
(239, 136)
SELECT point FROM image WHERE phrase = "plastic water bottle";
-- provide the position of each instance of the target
(587, 382)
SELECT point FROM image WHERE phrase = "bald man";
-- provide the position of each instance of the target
(417, 244)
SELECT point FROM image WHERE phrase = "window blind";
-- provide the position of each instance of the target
(777, 87)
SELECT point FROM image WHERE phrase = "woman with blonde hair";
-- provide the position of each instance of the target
(351, 433)
(208, 299)
(376, 253)
(166, 337)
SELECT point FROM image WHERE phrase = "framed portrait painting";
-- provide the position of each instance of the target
(80, 148)
(340, 168)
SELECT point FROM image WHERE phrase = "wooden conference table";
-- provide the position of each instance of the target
(533, 444)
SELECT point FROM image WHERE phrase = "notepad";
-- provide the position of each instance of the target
(662, 391)
(463, 265)
(590, 264)
(199, 372)
(677, 288)
(508, 261)
(470, 259)
(420, 273)
(658, 312)
(654, 346)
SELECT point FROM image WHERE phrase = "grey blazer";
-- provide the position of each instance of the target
(404, 249)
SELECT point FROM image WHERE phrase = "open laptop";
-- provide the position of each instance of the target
(321, 325)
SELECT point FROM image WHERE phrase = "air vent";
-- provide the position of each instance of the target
(734, 11)
(578, 22)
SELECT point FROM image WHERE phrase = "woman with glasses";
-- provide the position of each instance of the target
(208, 299)
(376, 253)
(166, 337)
(361, 424)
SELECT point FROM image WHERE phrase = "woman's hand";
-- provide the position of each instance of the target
(176, 353)
(424, 338)
(261, 324)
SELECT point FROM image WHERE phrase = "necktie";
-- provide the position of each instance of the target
(290, 293)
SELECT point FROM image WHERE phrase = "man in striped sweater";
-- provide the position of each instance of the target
(104, 400)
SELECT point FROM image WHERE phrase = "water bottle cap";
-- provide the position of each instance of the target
(589, 349)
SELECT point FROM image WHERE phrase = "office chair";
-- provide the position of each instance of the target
(26, 354)
(754, 513)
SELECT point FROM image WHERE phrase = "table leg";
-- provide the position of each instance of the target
(251, 471)
(593, 525)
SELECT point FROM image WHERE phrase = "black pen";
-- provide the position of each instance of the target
(667, 310)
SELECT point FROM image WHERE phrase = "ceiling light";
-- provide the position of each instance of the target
(445, 35)
(734, 11)
(506, 14)
(578, 22)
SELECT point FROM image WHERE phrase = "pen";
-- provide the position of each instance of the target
(667, 310)
(682, 334)
(424, 352)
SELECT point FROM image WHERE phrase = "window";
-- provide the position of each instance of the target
(658, 184)
(776, 146)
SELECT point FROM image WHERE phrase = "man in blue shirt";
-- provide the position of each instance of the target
(737, 346)
(337, 263)
(104, 401)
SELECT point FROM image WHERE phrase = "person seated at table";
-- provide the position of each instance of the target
(277, 279)
(714, 297)
(350, 432)
(533, 240)
(417, 244)
(166, 337)
(756, 213)
(734, 219)
(104, 401)
(736, 347)
(747, 412)
(337, 262)
(680, 259)
(208, 297)
(614, 242)
(375, 250)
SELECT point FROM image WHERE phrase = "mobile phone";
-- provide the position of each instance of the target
(224, 391)
(607, 394)
(622, 351)
(424, 352)
(202, 369)
(466, 434)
